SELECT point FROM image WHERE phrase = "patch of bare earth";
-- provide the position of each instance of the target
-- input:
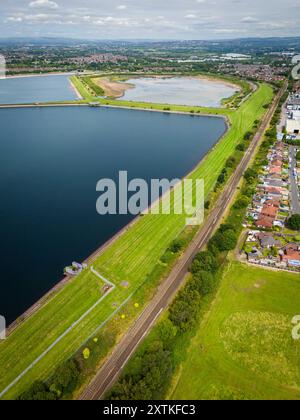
(113, 89)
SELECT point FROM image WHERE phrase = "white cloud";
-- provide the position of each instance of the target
(47, 4)
(122, 7)
(191, 16)
(249, 19)
(14, 19)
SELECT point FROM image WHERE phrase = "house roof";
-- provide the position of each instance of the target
(265, 221)
(274, 203)
(269, 211)
(275, 170)
(292, 256)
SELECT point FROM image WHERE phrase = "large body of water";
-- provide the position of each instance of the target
(24, 90)
(51, 160)
(179, 91)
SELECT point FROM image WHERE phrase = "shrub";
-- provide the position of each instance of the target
(86, 353)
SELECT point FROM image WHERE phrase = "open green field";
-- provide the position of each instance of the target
(244, 347)
(131, 258)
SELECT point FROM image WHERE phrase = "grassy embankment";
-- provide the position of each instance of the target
(132, 258)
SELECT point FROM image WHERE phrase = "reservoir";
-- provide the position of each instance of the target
(179, 91)
(51, 161)
(24, 90)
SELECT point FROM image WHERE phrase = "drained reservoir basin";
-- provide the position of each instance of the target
(51, 161)
(179, 91)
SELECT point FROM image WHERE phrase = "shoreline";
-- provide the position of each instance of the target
(47, 297)
(124, 86)
(24, 75)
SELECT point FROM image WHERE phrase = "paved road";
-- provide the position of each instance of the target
(113, 367)
(294, 188)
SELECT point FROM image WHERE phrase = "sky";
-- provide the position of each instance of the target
(149, 19)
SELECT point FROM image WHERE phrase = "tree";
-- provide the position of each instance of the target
(250, 175)
(176, 245)
(38, 391)
(224, 241)
(231, 162)
(150, 382)
(167, 332)
(184, 311)
(221, 179)
(298, 155)
(293, 222)
(66, 376)
(240, 147)
(204, 282)
(248, 135)
(204, 261)
(241, 203)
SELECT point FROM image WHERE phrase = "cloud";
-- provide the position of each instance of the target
(191, 16)
(249, 19)
(14, 19)
(46, 4)
(122, 7)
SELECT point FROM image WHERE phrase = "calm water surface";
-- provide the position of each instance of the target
(179, 91)
(50, 162)
(24, 90)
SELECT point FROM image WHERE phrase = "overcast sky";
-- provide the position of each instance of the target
(159, 19)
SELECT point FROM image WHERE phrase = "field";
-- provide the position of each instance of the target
(131, 258)
(244, 347)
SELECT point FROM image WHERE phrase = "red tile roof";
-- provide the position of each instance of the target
(265, 222)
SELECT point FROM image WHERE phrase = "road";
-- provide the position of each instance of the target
(294, 188)
(114, 365)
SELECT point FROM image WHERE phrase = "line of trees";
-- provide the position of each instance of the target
(62, 383)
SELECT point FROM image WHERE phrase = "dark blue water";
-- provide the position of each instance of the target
(26, 90)
(50, 162)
